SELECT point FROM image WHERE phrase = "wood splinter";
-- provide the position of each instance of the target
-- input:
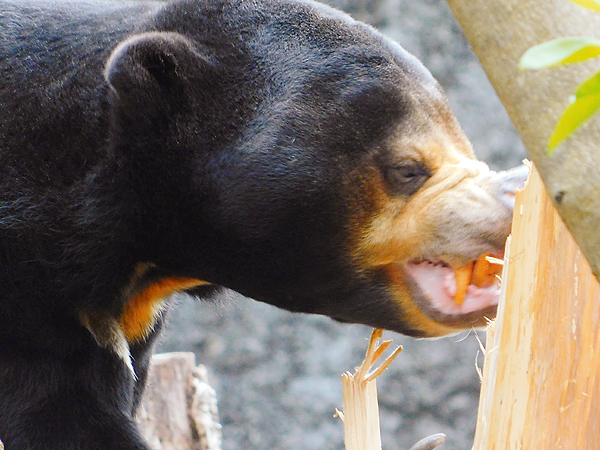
(361, 411)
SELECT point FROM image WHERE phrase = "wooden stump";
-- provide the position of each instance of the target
(541, 382)
(179, 409)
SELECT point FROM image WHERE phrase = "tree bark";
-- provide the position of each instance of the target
(500, 31)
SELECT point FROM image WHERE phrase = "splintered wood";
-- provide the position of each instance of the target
(541, 381)
(361, 412)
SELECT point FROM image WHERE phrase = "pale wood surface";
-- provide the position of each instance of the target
(541, 386)
(179, 409)
(500, 31)
(361, 414)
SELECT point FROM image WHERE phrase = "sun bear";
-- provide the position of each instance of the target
(277, 148)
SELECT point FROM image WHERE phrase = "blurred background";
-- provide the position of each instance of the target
(277, 374)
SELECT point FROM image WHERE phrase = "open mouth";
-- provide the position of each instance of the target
(457, 290)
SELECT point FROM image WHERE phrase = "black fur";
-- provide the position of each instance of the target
(220, 142)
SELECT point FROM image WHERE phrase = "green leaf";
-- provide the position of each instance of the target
(589, 87)
(591, 4)
(573, 117)
(560, 51)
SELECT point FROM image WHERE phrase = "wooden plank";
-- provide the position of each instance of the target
(541, 384)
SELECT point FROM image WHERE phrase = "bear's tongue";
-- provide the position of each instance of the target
(459, 290)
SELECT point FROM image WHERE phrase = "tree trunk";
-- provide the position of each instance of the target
(500, 31)
(179, 408)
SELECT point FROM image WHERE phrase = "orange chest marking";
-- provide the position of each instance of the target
(143, 308)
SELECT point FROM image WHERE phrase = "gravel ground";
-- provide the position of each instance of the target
(277, 374)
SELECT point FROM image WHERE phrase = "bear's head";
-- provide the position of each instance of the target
(302, 159)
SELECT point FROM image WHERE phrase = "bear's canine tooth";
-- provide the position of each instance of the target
(463, 279)
(485, 271)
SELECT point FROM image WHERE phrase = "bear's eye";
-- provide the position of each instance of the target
(405, 179)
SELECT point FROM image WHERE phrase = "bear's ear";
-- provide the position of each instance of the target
(153, 64)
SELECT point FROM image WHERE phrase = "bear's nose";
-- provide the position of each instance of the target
(509, 182)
